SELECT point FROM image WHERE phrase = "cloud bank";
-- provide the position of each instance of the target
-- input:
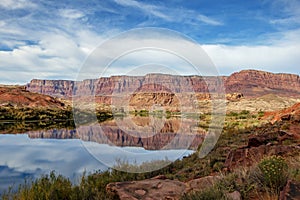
(53, 40)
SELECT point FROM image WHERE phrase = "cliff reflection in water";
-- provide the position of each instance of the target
(148, 132)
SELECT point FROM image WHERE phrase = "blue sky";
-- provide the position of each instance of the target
(51, 39)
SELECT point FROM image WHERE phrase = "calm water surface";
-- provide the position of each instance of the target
(87, 149)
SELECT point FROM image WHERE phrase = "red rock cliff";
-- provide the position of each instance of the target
(248, 82)
(256, 83)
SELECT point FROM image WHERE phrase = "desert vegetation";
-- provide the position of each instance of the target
(263, 179)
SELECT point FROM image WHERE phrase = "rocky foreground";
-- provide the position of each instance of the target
(279, 138)
(232, 170)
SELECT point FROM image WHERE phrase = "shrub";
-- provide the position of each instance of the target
(233, 114)
(50, 187)
(244, 112)
(218, 166)
(208, 194)
(261, 113)
(273, 172)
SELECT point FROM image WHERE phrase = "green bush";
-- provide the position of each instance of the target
(274, 172)
(233, 114)
(48, 187)
(261, 113)
(218, 166)
(244, 112)
(237, 181)
(208, 194)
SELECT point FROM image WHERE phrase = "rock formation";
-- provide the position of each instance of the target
(257, 83)
(126, 84)
(159, 188)
(17, 96)
(248, 82)
(292, 112)
(269, 139)
(291, 191)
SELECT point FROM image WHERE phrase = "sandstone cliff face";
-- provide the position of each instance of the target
(248, 82)
(257, 83)
(57, 88)
(127, 84)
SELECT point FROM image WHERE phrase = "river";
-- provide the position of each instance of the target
(94, 147)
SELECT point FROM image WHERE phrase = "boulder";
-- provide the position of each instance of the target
(234, 195)
(154, 189)
(158, 188)
(201, 183)
(248, 156)
(291, 191)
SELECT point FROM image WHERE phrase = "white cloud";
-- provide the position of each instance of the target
(147, 8)
(16, 4)
(56, 55)
(13, 43)
(291, 10)
(54, 51)
(58, 50)
(71, 13)
(173, 15)
(208, 20)
(290, 20)
(281, 56)
(7, 29)
(150, 51)
(2, 23)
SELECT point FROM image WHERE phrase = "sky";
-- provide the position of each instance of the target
(53, 39)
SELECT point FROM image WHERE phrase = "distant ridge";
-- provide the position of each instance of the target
(251, 83)
(258, 83)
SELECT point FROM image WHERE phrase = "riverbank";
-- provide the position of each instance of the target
(236, 163)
